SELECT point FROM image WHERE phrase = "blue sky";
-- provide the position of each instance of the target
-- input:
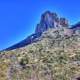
(18, 18)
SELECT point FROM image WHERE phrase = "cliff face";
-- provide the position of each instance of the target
(53, 53)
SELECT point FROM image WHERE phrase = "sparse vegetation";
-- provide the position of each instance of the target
(42, 61)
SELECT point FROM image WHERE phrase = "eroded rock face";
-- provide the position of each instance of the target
(48, 20)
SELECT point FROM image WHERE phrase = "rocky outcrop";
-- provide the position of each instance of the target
(50, 20)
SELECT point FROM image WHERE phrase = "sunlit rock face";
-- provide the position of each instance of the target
(50, 20)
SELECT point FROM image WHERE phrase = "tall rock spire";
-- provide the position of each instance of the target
(48, 20)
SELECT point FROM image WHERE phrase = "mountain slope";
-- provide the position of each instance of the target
(54, 56)
(48, 20)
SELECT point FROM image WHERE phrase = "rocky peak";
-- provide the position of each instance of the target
(50, 20)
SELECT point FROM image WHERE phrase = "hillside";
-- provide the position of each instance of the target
(54, 55)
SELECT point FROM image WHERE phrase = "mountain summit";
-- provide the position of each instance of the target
(50, 20)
